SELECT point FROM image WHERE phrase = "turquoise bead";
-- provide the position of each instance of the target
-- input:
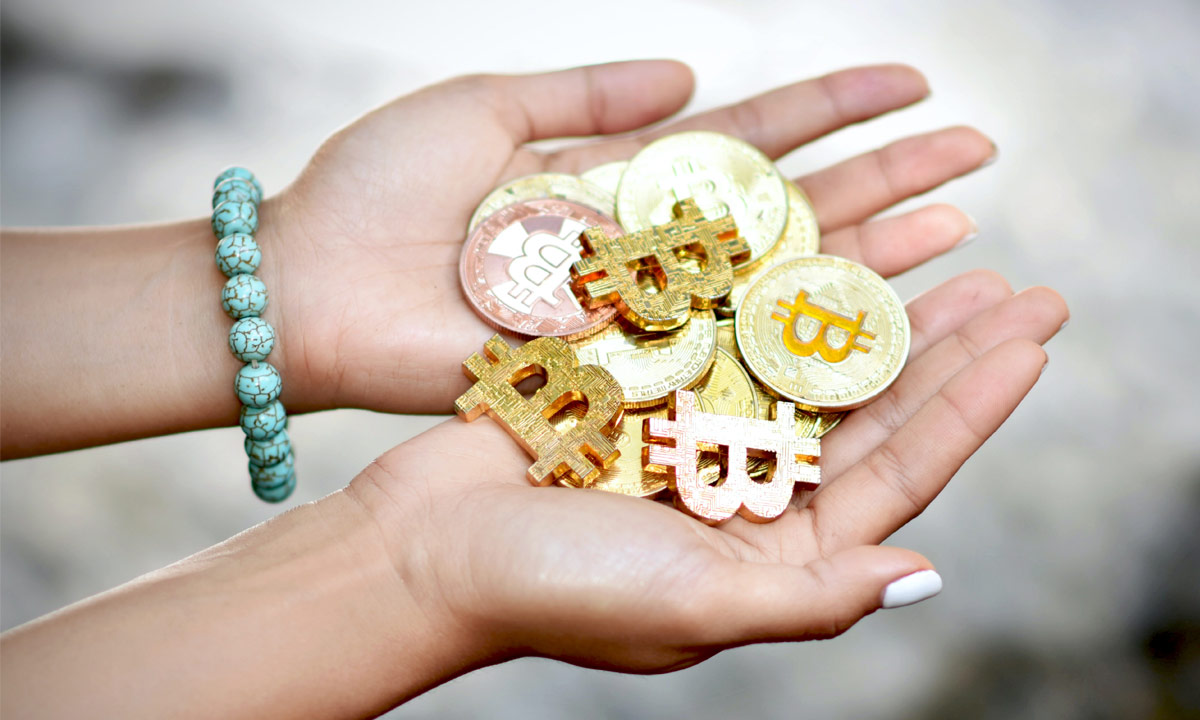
(273, 474)
(265, 422)
(251, 338)
(236, 190)
(275, 493)
(244, 296)
(239, 172)
(270, 451)
(235, 217)
(238, 254)
(258, 386)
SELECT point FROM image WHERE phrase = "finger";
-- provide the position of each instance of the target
(890, 246)
(780, 120)
(933, 316)
(589, 100)
(1035, 314)
(856, 189)
(936, 313)
(760, 602)
(897, 480)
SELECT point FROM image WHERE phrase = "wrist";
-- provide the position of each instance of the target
(438, 636)
(288, 253)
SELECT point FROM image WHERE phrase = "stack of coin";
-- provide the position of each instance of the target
(819, 331)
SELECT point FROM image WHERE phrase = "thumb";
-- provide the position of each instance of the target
(823, 599)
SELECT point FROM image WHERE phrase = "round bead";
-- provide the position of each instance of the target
(235, 217)
(237, 190)
(275, 493)
(258, 386)
(270, 451)
(262, 423)
(238, 254)
(244, 296)
(273, 474)
(238, 172)
(251, 338)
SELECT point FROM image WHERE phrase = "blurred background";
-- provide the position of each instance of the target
(1070, 545)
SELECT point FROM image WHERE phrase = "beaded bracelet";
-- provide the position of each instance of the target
(236, 195)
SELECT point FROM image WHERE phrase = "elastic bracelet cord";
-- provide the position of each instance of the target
(236, 195)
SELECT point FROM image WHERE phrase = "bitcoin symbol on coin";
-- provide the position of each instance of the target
(690, 431)
(607, 271)
(542, 268)
(820, 342)
(711, 189)
(578, 453)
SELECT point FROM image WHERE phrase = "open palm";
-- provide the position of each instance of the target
(370, 311)
(373, 316)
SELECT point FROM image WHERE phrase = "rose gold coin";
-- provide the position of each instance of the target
(516, 268)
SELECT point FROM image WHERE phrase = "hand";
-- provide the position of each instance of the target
(624, 583)
(370, 311)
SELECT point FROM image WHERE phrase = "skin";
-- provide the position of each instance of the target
(439, 557)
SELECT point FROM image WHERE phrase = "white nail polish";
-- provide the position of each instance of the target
(971, 234)
(912, 589)
(991, 158)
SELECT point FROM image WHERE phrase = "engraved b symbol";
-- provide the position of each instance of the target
(820, 342)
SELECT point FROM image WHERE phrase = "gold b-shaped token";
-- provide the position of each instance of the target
(608, 270)
(577, 454)
(689, 431)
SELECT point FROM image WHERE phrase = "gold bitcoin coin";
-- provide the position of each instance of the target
(625, 476)
(559, 186)
(824, 332)
(607, 176)
(801, 237)
(808, 424)
(726, 390)
(725, 175)
(650, 365)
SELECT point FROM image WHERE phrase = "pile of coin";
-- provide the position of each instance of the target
(689, 333)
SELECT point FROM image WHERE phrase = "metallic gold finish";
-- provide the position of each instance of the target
(625, 476)
(579, 453)
(727, 177)
(607, 176)
(726, 389)
(808, 424)
(801, 237)
(649, 365)
(689, 431)
(820, 343)
(559, 186)
(607, 270)
(842, 342)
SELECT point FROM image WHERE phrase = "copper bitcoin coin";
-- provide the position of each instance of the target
(516, 268)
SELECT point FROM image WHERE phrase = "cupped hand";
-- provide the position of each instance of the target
(602, 580)
(365, 286)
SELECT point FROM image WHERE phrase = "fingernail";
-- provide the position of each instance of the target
(991, 158)
(1044, 366)
(912, 589)
(1064, 325)
(971, 234)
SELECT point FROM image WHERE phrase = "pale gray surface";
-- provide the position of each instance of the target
(1068, 545)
